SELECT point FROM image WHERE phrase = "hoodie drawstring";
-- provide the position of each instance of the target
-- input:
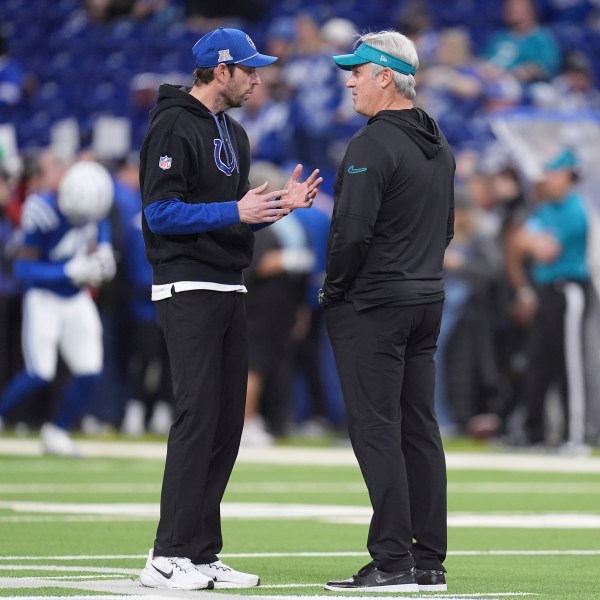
(225, 138)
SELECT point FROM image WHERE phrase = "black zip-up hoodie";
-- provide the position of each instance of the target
(394, 213)
(194, 156)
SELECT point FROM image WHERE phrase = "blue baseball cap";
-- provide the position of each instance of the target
(228, 47)
(367, 54)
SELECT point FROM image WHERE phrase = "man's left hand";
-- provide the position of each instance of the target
(303, 194)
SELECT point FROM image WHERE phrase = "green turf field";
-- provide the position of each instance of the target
(82, 527)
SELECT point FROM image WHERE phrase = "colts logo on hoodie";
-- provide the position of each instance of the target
(228, 165)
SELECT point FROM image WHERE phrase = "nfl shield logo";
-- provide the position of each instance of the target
(164, 162)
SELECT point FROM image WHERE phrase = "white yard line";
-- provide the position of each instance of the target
(274, 487)
(152, 595)
(101, 597)
(352, 515)
(487, 461)
(131, 589)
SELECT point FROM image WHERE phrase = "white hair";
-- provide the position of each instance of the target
(399, 46)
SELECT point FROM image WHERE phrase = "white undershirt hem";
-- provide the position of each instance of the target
(165, 290)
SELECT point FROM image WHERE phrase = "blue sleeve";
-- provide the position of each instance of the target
(104, 232)
(173, 217)
(33, 272)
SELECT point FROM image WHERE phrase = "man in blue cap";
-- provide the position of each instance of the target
(198, 220)
(383, 293)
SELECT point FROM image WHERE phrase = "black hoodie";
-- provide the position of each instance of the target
(193, 156)
(394, 213)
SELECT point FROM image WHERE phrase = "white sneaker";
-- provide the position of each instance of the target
(133, 421)
(312, 428)
(175, 573)
(574, 449)
(162, 418)
(57, 441)
(255, 434)
(226, 577)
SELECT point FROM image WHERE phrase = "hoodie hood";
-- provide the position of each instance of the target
(418, 126)
(174, 95)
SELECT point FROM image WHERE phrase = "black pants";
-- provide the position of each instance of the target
(207, 344)
(555, 339)
(384, 358)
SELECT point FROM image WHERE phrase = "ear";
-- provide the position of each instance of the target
(221, 72)
(387, 78)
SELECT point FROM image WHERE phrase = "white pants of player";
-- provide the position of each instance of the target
(69, 325)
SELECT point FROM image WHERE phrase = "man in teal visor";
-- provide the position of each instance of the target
(382, 299)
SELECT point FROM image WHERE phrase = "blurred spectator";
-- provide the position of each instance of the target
(145, 9)
(525, 49)
(148, 375)
(281, 35)
(316, 95)
(276, 282)
(10, 291)
(339, 34)
(416, 22)
(312, 417)
(554, 239)
(266, 121)
(573, 90)
(12, 82)
(467, 370)
(453, 86)
(204, 15)
(498, 199)
(103, 11)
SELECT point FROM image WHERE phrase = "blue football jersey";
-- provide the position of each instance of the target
(56, 240)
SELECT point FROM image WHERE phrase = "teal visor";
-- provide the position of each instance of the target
(367, 54)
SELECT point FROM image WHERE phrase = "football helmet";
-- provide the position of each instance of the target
(85, 192)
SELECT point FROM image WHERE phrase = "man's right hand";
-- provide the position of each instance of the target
(259, 207)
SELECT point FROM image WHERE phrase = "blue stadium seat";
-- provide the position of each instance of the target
(87, 68)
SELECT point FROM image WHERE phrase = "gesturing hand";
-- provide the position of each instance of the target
(301, 195)
(258, 207)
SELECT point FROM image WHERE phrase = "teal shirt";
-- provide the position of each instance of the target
(567, 222)
(508, 51)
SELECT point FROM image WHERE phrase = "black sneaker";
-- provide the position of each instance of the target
(371, 579)
(431, 581)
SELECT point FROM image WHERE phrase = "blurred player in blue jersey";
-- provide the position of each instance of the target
(148, 377)
(66, 247)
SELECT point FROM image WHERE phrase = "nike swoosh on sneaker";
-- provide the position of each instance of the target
(352, 169)
(165, 575)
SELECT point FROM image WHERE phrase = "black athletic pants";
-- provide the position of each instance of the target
(208, 351)
(384, 358)
(555, 353)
